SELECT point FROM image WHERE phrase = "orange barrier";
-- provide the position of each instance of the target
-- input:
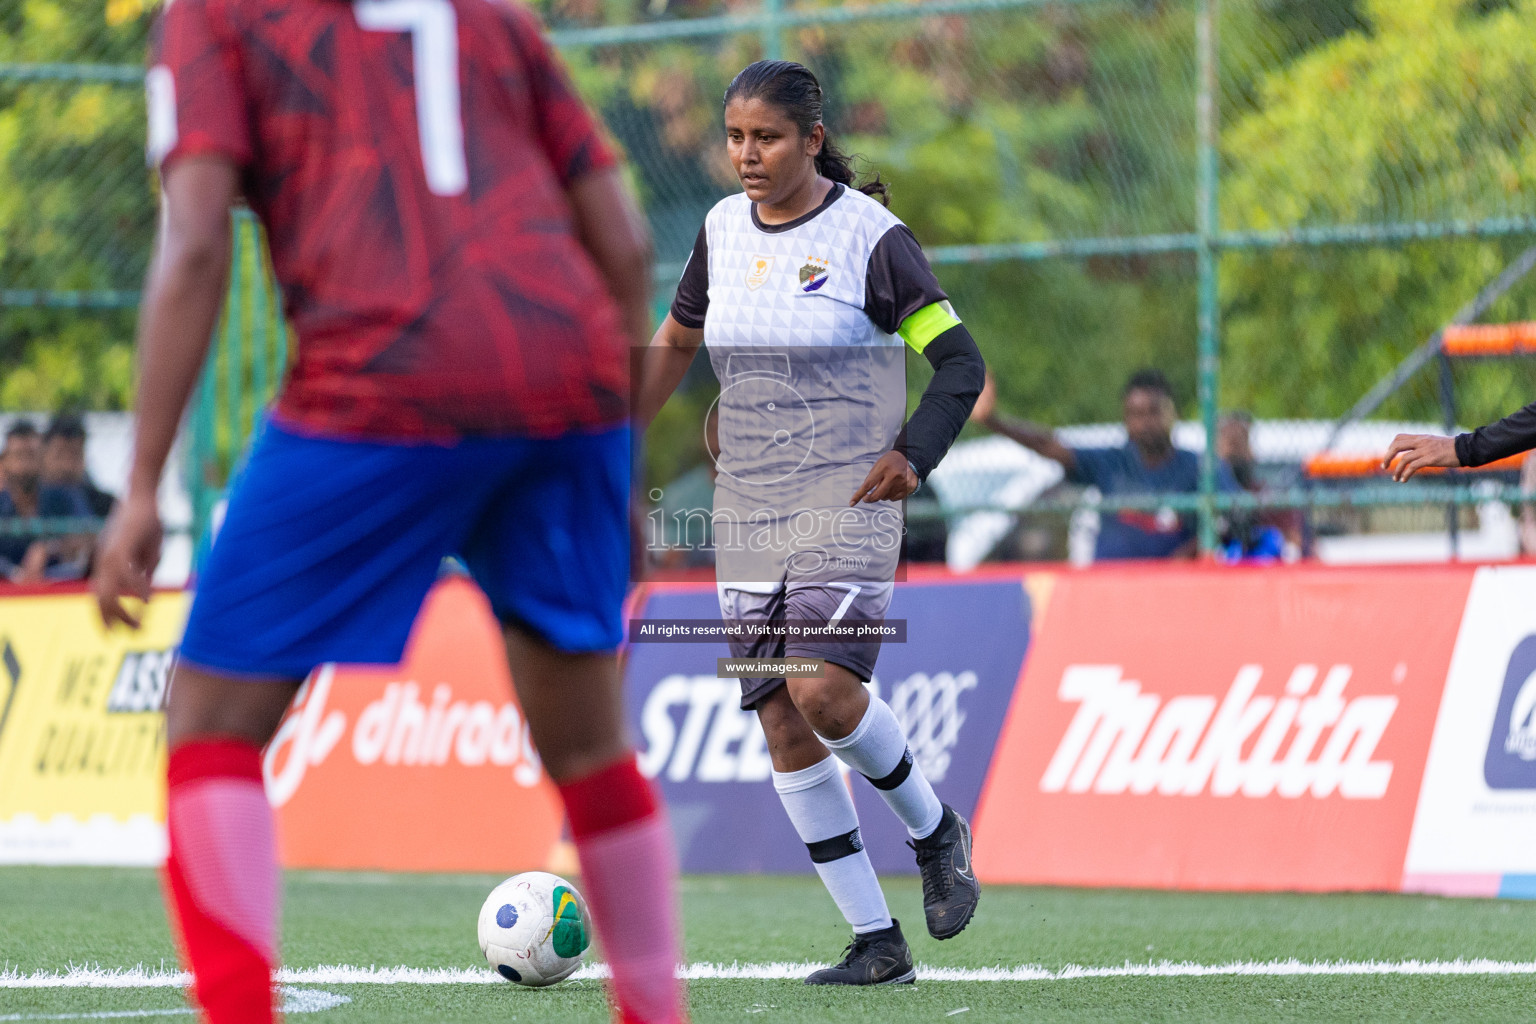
(1333, 465)
(1489, 339)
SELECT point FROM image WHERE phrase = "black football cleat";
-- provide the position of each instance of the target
(874, 958)
(950, 890)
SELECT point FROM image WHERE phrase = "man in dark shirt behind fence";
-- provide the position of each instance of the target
(1147, 464)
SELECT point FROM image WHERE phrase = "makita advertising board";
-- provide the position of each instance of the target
(1222, 729)
(1475, 831)
(949, 684)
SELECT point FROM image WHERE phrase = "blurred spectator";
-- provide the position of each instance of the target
(1234, 447)
(1147, 464)
(64, 463)
(31, 559)
(1264, 536)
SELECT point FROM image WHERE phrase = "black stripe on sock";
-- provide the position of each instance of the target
(898, 774)
(836, 848)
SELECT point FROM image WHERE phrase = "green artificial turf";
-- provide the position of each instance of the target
(52, 918)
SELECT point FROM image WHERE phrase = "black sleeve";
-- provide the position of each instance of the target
(899, 281)
(1513, 434)
(958, 373)
(692, 300)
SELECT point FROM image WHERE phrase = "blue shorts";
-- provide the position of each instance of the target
(328, 547)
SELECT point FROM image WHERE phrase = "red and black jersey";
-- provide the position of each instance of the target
(409, 159)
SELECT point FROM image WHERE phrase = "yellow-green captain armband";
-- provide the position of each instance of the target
(926, 324)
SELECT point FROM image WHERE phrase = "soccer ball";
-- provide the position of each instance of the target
(534, 928)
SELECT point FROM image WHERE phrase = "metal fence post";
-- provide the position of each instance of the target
(1205, 259)
(261, 306)
(234, 351)
(1447, 383)
(773, 35)
(203, 447)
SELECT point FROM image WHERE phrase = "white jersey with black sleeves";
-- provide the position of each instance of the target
(801, 321)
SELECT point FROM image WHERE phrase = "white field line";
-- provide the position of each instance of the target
(101, 1015)
(295, 1000)
(140, 977)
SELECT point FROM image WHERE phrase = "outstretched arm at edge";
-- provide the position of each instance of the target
(1511, 435)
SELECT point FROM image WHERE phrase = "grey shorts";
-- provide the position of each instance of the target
(819, 603)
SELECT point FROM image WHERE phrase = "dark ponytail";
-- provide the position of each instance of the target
(793, 89)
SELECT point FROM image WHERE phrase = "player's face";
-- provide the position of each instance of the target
(1149, 419)
(770, 156)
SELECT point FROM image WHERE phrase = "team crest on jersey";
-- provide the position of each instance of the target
(758, 269)
(813, 275)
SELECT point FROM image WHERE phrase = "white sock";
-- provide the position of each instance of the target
(821, 810)
(877, 749)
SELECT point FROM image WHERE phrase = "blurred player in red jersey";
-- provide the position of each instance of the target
(465, 272)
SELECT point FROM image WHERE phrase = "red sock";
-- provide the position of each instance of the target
(221, 877)
(629, 874)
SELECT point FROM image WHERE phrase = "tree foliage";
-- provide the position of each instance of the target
(76, 206)
(1423, 113)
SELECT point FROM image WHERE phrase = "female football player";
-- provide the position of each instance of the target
(804, 288)
(466, 273)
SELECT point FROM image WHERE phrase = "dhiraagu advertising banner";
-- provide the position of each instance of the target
(82, 740)
(428, 765)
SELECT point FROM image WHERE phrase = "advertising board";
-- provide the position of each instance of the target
(1222, 729)
(82, 739)
(424, 766)
(949, 684)
(1299, 728)
(1475, 830)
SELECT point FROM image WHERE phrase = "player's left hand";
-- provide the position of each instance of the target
(1412, 452)
(891, 479)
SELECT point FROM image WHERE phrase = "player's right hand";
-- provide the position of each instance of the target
(126, 559)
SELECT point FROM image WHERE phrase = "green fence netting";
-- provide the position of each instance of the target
(1274, 201)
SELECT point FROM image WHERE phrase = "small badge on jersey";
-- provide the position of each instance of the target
(813, 275)
(758, 269)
